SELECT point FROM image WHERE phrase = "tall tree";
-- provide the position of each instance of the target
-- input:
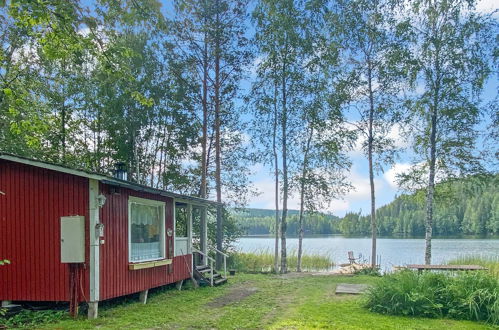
(280, 38)
(371, 55)
(451, 49)
(265, 128)
(323, 164)
(230, 55)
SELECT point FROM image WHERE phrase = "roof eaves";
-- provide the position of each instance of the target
(103, 178)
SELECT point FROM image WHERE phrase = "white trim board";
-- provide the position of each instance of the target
(93, 192)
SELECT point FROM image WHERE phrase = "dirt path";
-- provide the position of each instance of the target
(235, 295)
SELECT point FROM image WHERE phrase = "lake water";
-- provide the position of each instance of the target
(393, 251)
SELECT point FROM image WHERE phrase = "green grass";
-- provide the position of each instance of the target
(263, 261)
(491, 263)
(464, 295)
(296, 302)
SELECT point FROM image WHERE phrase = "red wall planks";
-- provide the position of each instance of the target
(30, 210)
(115, 277)
(34, 200)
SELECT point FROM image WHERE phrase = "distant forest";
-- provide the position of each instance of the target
(467, 207)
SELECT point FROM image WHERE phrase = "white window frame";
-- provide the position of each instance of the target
(148, 202)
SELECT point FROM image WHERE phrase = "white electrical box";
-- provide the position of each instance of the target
(73, 239)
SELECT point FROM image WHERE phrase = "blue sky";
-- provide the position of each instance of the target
(359, 198)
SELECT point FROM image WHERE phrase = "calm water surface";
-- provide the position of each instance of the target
(393, 251)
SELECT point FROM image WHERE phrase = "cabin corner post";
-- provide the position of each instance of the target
(204, 234)
(189, 229)
(94, 249)
(220, 237)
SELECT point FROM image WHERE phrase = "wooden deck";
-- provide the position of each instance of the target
(351, 288)
(420, 268)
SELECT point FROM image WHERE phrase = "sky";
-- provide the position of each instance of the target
(358, 200)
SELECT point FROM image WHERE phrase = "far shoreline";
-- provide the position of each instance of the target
(470, 237)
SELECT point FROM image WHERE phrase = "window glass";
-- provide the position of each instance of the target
(146, 231)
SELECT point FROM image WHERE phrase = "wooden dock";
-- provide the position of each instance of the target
(420, 268)
(351, 288)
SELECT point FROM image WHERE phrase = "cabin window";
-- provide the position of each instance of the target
(146, 229)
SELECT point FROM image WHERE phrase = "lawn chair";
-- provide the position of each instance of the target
(351, 258)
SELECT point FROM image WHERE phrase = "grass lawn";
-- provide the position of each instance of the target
(256, 301)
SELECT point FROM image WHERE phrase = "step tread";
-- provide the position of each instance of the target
(220, 281)
(205, 270)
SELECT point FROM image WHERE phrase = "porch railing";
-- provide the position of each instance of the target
(225, 260)
(211, 261)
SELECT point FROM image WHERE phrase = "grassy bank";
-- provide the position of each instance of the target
(262, 261)
(255, 301)
(489, 262)
(464, 296)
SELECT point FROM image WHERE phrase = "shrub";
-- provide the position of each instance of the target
(468, 296)
(368, 271)
(30, 319)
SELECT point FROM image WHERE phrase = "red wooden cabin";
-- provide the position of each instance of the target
(77, 236)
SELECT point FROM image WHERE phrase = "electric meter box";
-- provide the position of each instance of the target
(73, 239)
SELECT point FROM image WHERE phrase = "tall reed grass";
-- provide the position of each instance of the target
(467, 295)
(492, 263)
(263, 261)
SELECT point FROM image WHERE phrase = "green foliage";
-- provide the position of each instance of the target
(31, 319)
(4, 262)
(263, 261)
(368, 271)
(468, 296)
(491, 263)
(231, 232)
(262, 222)
(463, 207)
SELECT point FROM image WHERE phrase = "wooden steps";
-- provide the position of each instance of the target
(203, 275)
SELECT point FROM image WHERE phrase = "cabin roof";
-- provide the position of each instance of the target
(106, 179)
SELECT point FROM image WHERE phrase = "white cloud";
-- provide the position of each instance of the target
(394, 134)
(359, 194)
(362, 188)
(26, 55)
(391, 175)
(487, 6)
(265, 197)
(253, 67)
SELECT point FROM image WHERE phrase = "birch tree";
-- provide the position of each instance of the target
(280, 39)
(451, 47)
(372, 55)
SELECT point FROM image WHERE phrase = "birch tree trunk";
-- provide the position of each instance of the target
(218, 158)
(436, 81)
(302, 200)
(285, 187)
(276, 178)
(204, 136)
(371, 170)
(431, 183)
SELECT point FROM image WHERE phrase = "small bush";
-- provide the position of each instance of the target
(467, 296)
(30, 319)
(368, 271)
(263, 261)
